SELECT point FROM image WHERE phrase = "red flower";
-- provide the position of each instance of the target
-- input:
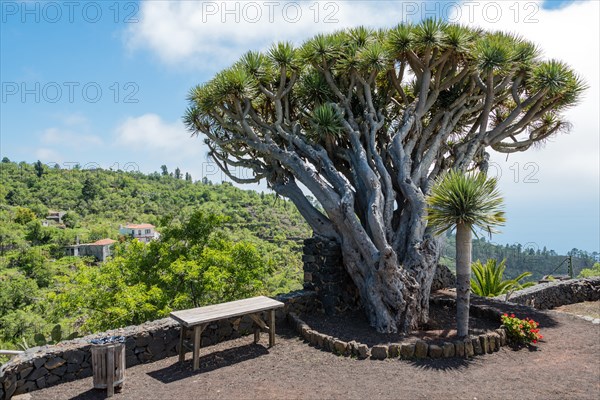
(512, 315)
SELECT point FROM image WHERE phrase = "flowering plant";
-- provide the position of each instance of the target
(521, 331)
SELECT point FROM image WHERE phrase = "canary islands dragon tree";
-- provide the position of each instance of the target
(365, 120)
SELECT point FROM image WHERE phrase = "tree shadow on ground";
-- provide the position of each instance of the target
(443, 364)
(209, 362)
(92, 394)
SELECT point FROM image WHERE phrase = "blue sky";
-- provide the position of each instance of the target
(105, 84)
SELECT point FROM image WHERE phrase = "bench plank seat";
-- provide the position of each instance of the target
(215, 312)
(198, 318)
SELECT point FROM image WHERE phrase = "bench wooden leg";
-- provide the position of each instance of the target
(271, 328)
(197, 335)
(181, 344)
(256, 334)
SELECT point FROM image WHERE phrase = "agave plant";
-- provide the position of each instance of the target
(488, 279)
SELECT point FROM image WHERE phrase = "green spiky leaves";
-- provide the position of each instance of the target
(488, 279)
(560, 81)
(325, 122)
(471, 199)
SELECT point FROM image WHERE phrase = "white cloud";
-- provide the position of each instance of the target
(47, 155)
(152, 142)
(149, 133)
(66, 137)
(560, 34)
(72, 130)
(565, 197)
(210, 34)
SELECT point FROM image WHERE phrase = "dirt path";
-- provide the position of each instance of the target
(566, 366)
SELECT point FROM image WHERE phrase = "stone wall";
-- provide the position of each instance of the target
(555, 294)
(324, 273)
(443, 278)
(49, 365)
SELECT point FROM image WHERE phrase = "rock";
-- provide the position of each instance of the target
(379, 352)
(340, 347)
(314, 338)
(73, 367)
(84, 373)
(459, 348)
(38, 362)
(24, 372)
(435, 351)
(305, 332)
(156, 347)
(143, 339)
(363, 351)
(52, 379)
(9, 390)
(491, 342)
(421, 349)
(469, 349)
(483, 340)
(394, 350)
(502, 333)
(224, 330)
(69, 377)
(476, 346)
(26, 387)
(329, 343)
(41, 382)
(60, 371)
(407, 351)
(448, 350)
(320, 340)
(74, 356)
(38, 373)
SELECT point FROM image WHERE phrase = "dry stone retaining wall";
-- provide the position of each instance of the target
(555, 294)
(40, 367)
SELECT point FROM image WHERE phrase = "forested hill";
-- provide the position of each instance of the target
(530, 257)
(97, 201)
(217, 243)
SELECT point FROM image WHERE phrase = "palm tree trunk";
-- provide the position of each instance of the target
(463, 277)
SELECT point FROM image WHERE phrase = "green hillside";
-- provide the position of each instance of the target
(39, 285)
(520, 258)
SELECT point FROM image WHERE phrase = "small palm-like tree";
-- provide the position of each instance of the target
(464, 201)
(488, 280)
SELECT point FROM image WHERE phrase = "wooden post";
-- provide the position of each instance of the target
(271, 328)
(196, 350)
(110, 375)
(181, 344)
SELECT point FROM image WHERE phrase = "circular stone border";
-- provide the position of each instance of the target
(473, 345)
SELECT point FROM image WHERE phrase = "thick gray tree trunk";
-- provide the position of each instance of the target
(463, 277)
(372, 172)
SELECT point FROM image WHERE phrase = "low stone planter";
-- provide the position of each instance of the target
(488, 342)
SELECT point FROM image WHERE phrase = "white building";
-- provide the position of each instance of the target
(100, 249)
(143, 232)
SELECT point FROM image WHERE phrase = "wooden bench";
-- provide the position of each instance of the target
(199, 318)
